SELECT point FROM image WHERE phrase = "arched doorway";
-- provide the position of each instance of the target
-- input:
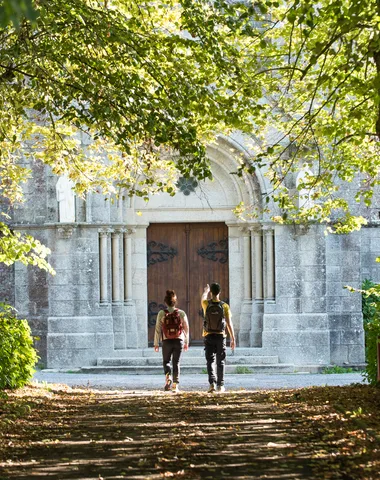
(185, 257)
(210, 203)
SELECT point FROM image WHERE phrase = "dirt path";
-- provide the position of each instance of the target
(81, 434)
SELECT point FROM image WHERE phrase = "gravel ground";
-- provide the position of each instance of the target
(197, 382)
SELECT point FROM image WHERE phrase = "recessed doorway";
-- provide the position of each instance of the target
(185, 257)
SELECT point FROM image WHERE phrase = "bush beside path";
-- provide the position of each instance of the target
(55, 431)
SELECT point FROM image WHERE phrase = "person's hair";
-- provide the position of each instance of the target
(170, 298)
(215, 289)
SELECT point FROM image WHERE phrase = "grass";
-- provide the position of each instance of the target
(337, 369)
(243, 370)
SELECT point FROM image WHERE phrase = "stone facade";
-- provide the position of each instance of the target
(287, 283)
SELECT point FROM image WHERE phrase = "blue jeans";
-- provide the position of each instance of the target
(215, 351)
(172, 349)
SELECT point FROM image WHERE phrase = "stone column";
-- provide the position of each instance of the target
(103, 265)
(128, 289)
(257, 240)
(270, 263)
(131, 337)
(117, 304)
(257, 286)
(246, 308)
(116, 297)
(247, 266)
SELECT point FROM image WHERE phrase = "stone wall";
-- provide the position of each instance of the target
(343, 267)
(310, 320)
(32, 298)
(296, 325)
(7, 284)
(7, 274)
(370, 238)
(80, 329)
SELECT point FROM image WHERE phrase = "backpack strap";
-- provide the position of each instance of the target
(166, 311)
(210, 302)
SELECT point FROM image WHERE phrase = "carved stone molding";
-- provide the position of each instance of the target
(66, 231)
(268, 230)
(129, 232)
(244, 229)
(256, 229)
(104, 232)
(300, 229)
(117, 231)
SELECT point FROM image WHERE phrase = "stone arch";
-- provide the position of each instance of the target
(212, 200)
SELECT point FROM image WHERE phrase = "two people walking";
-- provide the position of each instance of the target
(172, 327)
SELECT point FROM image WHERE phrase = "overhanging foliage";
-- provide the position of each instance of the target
(151, 84)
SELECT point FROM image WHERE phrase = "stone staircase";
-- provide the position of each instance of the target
(147, 361)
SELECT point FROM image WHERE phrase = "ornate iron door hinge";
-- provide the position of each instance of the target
(215, 251)
(158, 252)
(153, 309)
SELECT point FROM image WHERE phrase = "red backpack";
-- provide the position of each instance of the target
(172, 324)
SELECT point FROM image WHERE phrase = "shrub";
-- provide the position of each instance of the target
(368, 302)
(371, 320)
(372, 330)
(17, 354)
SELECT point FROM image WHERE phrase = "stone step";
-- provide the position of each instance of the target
(193, 351)
(189, 369)
(187, 359)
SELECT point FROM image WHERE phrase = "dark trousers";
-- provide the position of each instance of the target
(215, 351)
(172, 349)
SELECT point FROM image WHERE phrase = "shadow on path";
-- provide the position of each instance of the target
(79, 434)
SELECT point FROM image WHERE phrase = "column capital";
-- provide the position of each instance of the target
(65, 231)
(104, 232)
(244, 229)
(117, 232)
(256, 229)
(268, 229)
(129, 232)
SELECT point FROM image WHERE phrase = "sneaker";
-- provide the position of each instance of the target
(168, 383)
(220, 388)
(211, 388)
(175, 388)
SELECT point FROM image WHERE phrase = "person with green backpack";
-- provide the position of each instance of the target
(217, 322)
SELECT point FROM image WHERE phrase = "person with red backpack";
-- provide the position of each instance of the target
(217, 319)
(172, 327)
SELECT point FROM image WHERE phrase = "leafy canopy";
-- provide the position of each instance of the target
(147, 85)
(151, 84)
(318, 64)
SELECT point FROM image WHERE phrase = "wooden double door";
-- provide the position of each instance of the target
(185, 257)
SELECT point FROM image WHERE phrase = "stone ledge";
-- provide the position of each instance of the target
(190, 369)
